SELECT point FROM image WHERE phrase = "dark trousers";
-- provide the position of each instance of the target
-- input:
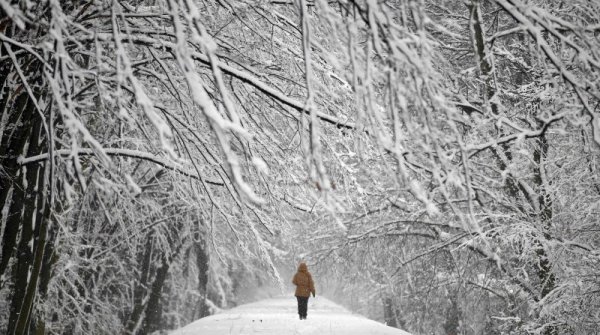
(302, 306)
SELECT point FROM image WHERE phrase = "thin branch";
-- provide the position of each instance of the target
(120, 153)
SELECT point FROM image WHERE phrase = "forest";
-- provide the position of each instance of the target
(436, 163)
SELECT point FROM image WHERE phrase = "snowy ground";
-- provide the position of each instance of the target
(278, 316)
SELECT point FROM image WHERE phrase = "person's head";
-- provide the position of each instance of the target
(302, 267)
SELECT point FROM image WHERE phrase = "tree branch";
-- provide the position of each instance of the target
(120, 153)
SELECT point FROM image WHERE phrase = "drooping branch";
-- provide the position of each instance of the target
(243, 76)
(122, 153)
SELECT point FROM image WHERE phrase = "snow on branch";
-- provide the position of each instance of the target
(243, 76)
(121, 153)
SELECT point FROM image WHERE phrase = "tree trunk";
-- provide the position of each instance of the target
(146, 314)
(202, 265)
(25, 281)
(50, 258)
(389, 313)
(153, 310)
(482, 55)
(13, 143)
(544, 270)
(453, 317)
(32, 287)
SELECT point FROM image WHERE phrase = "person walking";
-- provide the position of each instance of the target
(304, 287)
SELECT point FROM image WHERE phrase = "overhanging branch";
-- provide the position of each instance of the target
(120, 153)
(243, 76)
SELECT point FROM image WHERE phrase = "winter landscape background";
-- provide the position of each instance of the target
(434, 162)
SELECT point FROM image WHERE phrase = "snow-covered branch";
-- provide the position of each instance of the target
(162, 162)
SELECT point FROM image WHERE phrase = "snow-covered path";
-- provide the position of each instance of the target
(278, 316)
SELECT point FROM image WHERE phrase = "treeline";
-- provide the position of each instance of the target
(119, 212)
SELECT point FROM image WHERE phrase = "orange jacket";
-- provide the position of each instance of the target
(303, 281)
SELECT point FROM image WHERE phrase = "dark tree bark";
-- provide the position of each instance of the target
(23, 208)
(544, 270)
(145, 317)
(389, 313)
(202, 264)
(13, 143)
(153, 312)
(453, 317)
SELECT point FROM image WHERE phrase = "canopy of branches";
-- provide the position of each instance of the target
(435, 161)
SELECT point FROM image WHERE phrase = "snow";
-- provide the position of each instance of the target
(596, 128)
(421, 195)
(14, 14)
(278, 316)
(260, 165)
